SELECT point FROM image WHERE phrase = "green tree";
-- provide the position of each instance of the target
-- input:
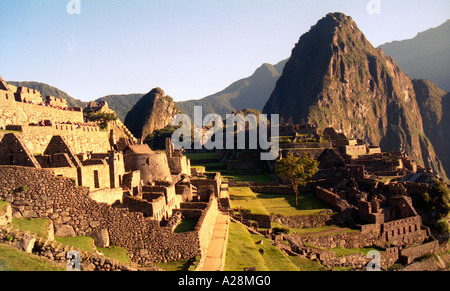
(157, 140)
(299, 170)
(102, 118)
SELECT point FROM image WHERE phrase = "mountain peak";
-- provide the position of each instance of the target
(266, 70)
(336, 78)
(152, 112)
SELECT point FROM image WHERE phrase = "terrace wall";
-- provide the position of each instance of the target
(60, 200)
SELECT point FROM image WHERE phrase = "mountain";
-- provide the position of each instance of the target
(47, 90)
(251, 92)
(434, 104)
(426, 56)
(121, 104)
(335, 77)
(152, 112)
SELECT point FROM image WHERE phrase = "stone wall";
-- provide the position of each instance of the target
(408, 255)
(60, 253)
(205, 226)
(272, 189)
(405, 231)
(153, 166)
(80, 139)
(107, 195)
(21, 113)
(39, 193)
(348, 240)
(309, 221)
(332, 199)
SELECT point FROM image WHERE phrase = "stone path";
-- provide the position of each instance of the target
(215, 256)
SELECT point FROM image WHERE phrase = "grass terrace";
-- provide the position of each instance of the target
(275, 204)
(12, 259)
(247, 250)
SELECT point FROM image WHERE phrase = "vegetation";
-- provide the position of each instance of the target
(102, 118)
(12, 259)
(284, 204)
(157, 140)
(121, 104)
(117, 253)
(299, 170)
(228, 176)
(183, 265)
(435, 204)
(244, 199)
(202, 156)
(186, 225)
(84, 243)
(47, 90)
(38, 226)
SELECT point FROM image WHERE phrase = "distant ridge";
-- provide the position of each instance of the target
(426, 56)
(251, 93)
(47, 90)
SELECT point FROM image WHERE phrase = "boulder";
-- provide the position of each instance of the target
(5, 214)
(64, 231)
(27, 243)
(101, 238)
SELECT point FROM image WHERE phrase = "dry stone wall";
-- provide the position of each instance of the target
(38, 193)
(80, 139)
(20, 113)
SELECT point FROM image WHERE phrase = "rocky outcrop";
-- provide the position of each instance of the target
(152, 112)
(336, 78)
(434, 104)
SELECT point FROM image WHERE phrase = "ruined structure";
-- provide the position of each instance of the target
(89, 181)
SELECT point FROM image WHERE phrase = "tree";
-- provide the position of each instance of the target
(299, 170)
(102, 118)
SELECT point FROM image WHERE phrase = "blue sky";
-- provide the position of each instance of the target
(190, 48)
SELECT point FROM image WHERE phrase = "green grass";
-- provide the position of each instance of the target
(284, 204)
(244, 198)
(84, 243)
(201, 156)
(182, 265)
(273, 257)
(339, 251)
(304, 264)
(117, 253)
(228, 176)
(275, 204)
(12, 259)
(241, 250)
(186, 225)
(38, 226)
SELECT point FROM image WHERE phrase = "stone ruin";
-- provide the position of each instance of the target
(91, 182)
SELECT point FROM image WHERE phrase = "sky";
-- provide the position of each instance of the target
(189, 48)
